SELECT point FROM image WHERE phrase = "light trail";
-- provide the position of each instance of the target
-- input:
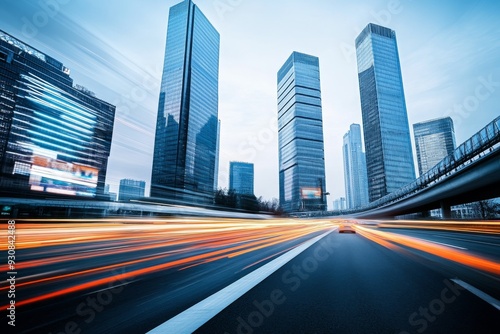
(392, 240)
(97, 248)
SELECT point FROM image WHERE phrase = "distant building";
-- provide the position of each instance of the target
(434, 140)
(241, 177)
(131, 189)
(112, 196)
(339, 204)
(300, 135)
(184, 156)
(389, 158)
(355, 179)
(55, 136)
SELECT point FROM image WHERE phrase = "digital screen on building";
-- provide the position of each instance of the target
(61, 177)
(310, 193)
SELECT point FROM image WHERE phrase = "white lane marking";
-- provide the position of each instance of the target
(484, 296)
(198, 314)
(441, 243)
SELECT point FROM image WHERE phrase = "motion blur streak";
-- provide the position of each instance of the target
(89, 253)
(448, 253)
(490, 227)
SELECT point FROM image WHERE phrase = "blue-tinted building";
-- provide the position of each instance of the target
(300, 135)
(434, 140)
(389, 159)
(131, 189)
(217, 153)
(355, 179)
(55, 136)
(186, 130)
(241, 177)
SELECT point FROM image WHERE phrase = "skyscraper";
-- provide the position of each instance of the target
(300, 135)
(434, 140)
(55, 137)
(355, 180)
(241, 177)
(131, 189)
(186, 130)
(217, 153)
(389, 159)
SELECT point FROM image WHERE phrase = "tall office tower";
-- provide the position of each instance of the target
(186, 130)
(131, 189)
(55, 136)
(300, 135)
(434, 140)
(389, 159)
(241, 177)
(217, 152)
(355, 179)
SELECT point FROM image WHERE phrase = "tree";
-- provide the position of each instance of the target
(486, 209)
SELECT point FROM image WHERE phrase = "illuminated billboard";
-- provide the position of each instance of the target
(61, 177)
(310, 193)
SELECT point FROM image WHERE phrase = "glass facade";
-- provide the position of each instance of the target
(434, 140)
(389, 159)
(241, 177)
(300, 135)
(131, 189)
(55, 137)
(355, 179)
(186, 131)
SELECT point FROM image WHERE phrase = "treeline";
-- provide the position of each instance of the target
(246, 202)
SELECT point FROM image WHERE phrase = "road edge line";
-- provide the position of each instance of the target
(197, 315)
(484, 296)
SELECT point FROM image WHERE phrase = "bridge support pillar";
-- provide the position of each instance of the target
(445, 210)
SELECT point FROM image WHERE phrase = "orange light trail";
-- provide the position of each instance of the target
(96, 248)
(388, 239)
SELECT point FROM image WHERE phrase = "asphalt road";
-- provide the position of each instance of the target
(379, 280)
(364, 287)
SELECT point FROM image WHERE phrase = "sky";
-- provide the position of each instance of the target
(449, 53)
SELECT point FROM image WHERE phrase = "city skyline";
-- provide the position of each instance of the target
(451, 89)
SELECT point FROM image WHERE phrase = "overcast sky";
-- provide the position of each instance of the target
(449, 51)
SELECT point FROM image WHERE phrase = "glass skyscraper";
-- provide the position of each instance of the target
(131, 189)
(55, 136)
(300, 135)
(434, 140)
(389, 159)
(241, 177)
(186, 130)
(355, 179)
